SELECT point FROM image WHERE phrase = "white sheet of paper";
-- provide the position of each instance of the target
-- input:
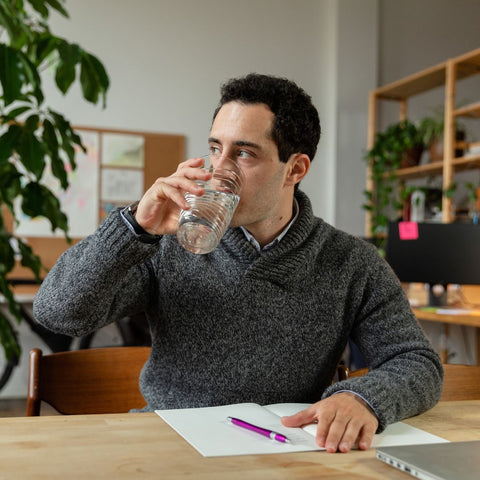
(208, 431)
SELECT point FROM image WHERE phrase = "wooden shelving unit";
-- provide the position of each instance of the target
(446, 74)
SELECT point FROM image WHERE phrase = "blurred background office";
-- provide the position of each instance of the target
(167, 59)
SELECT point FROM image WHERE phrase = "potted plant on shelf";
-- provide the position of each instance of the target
(399, 146)
(432, 128)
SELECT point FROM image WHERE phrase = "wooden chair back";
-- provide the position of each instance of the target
(461, 382)
(344, 372)
(98, 380)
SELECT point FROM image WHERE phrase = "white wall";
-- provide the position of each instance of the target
(416, 34)
(357, 75)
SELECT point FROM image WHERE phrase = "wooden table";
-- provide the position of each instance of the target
(142, 446)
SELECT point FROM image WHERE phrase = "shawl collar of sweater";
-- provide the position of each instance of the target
(287, 261)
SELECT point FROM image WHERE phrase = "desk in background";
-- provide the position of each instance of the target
(465, 307)
(142, 445)
(470, 320)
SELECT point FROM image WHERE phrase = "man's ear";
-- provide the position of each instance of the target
(298, 166)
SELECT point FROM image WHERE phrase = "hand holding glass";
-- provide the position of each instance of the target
(201, 228)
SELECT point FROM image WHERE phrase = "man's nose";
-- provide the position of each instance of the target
(220, 160)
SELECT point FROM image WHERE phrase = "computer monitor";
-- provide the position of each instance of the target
(435, 253)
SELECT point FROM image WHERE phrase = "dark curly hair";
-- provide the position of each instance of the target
(296, 127)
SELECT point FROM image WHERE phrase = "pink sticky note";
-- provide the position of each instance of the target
(408, 230)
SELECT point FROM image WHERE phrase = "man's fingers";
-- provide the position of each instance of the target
(343, 421)
(343, 436)
(330, 430)
(191, 169)
(172, 193)
(365, 438)
(304, 417)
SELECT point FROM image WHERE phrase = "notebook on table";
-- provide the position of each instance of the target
(209, 431)
(435, 461)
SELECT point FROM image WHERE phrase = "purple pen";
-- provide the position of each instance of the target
(279, 437)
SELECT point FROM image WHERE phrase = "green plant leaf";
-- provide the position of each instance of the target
(69, 56)
(78, 141)
(58, 170)
(14, 113)
(368, 194)
(55, 4)
(450, 190)
(10, 185)
(11, 74)
(7, 20)
(30, 260)
(8, 141)
(51, 141)
(49, 135)
(12, 17)
(88, 81)
(7, 254)
(31, 152)
(32, 78)
(39, 201)
(17, 72)
(68, 137)
(6, 291)
(8, 340)
(31, 123)
(39, 6)
(43, 47)
(93, 78)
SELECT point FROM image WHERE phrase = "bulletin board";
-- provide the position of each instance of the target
(118, 167)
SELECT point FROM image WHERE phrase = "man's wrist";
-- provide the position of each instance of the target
(127, 214)
(359, 399)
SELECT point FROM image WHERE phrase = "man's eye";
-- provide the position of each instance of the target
(243, 154)
(214, 150)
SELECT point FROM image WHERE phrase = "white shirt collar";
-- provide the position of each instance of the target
(277, 239)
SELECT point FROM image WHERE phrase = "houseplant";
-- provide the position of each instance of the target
(32, 135)
(399, 146)
(432, 128)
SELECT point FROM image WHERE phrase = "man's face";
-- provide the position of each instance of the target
(242, 132)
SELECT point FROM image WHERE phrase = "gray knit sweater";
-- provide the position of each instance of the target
(236, 325)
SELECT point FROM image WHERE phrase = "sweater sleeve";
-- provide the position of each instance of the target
(98, 280)
(406, 375)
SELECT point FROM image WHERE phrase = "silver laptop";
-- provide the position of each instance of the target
(435, 461)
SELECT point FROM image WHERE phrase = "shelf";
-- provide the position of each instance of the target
(466, 163)
(414, 84)
(468, 64)
(433, 77)
(436, 168)
(472, 111)
(446, 75)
